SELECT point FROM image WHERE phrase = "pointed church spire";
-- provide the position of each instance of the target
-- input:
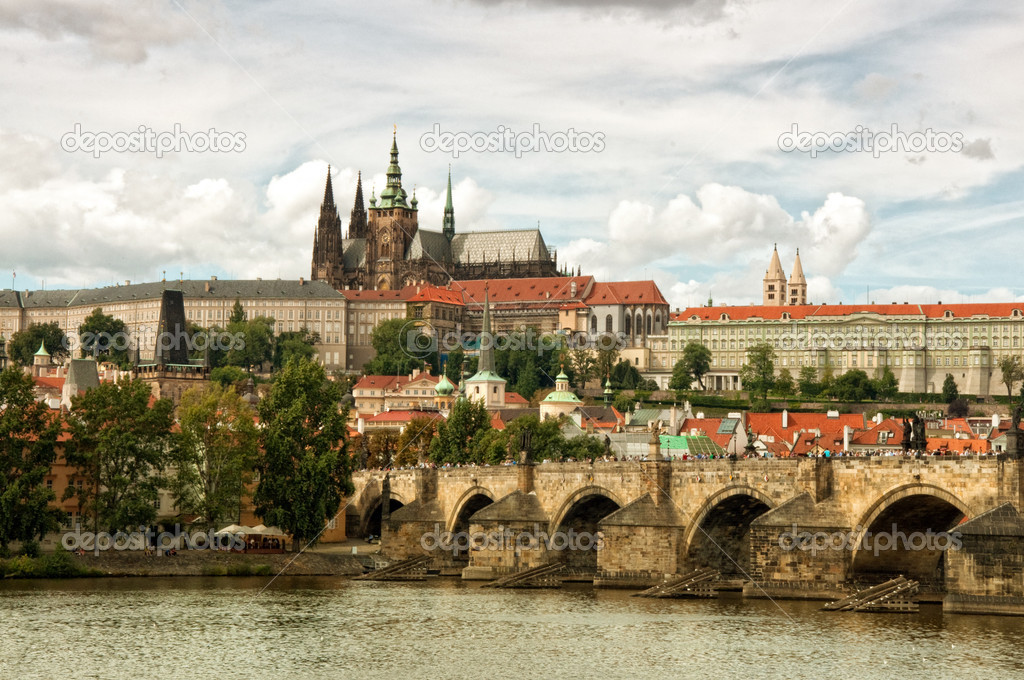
(357, 218)
(797, 283)
(393, 194)
(448, 224)
(774, 284)
(798, 270)
(775, 267)
(327, 243)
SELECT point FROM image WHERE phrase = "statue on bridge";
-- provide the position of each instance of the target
(524, 446)
(907, 427)
(918, 442)
(655, 432)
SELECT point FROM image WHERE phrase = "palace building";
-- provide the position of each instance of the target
(386, 249)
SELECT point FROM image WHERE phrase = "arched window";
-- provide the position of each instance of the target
(650, 322)
(608, 323)
(593, 324)
(629, 324)
(639, 323)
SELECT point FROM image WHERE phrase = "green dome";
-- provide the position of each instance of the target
(444, 386)
(561, 376)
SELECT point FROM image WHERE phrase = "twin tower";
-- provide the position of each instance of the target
(776, 292)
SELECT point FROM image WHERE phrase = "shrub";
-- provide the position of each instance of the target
(29, 549)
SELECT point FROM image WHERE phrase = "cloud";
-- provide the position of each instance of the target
(980, 149)
(693, 11)
(115, 31)
(875, 87)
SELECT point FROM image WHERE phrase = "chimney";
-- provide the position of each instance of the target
(213, 278)
(207, 286)
(846, 437)
(301, 281)
(785, 419)
(361, 425)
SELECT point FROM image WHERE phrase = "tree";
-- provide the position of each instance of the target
(119, 445)
(854, 385)
(227, 376)
(25, 343)
(784, 383)
(303, 465)
(254, 343)
(958, 408)
(105, 338)
(466, 421)
(681, 377)
(383, 446)
(546, 438)
(625, 376)
(949, 389)
(808, 382)
(624, 403)
(1011, 370)
(758, 373)
(398, 349)
(605, 362)
(582, 361)
(697, 359)
(414, 442)
(301, 343)
(28, 437)
(648, 385)
(490, 447)
(237, 313)
(453, 365)
(887, 384)
(215, 452)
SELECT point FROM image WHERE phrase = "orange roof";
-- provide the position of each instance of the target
(958, 445)
(390, 382)
(45, 381)
(436, 294)
(549, 289)
(708, 427)
(515, 398)
(625, 292)
(936, 311)
(771, 423)
(496, 422)
(869, 437)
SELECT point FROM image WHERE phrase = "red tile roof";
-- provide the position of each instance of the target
(382, 295)
(869, 437)
(771, 424)
(391, 382)
(552, 290)
(625, 292)
(46, 381)
(515, 398)
(401, 416)
(437, 294)
(708, 427)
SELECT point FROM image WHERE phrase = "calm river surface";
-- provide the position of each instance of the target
(225, 628)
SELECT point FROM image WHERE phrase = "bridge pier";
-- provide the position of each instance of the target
(408, 531)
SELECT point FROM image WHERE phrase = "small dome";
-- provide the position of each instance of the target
(561, 377)
(444, 386)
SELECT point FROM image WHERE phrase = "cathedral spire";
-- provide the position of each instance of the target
(393, 194)
(327, 243)
(357, 218)
(448, 225)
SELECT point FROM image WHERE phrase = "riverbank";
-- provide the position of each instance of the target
(185, 563)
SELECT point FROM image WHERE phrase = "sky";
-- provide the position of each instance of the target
(692, 128)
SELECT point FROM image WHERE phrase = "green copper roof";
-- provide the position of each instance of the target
(486, 376)
(559, 396)
(41, 352)
(444, 386)
(562, 376)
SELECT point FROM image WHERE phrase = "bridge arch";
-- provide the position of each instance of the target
(718, 534)
(371, 518)
(471, 501)
(576, 523)
(892, 536)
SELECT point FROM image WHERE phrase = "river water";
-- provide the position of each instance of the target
(305, 627)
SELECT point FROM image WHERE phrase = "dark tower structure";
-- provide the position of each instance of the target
(448, 224)
(328, 263)
(357, 219)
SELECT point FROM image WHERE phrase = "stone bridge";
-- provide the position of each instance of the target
(798, 527)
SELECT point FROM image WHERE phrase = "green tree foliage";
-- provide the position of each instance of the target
(827, 378)
(681, 378)
(253, 343)
(28, 437)
(697, 362)
(414, 442)
(605, 362)
(120, 446)
(1011, 371)
(390, 340)
(854, 385)
(808, 382)
(546, 438)
(784, 384)
(24, 344)
(290, 344)
(304, 467)
(454, 364)
(758, 373)
(949, 389)
(583, 364)
(647, 385)
(215, 452)
(237, 313)
(490, 447)
(529, 362)
(625, 376)
(383, 446)
(105, 338)
(958, 408)
(624, 403)
(228, 376)
(466, 421)
(887, 385)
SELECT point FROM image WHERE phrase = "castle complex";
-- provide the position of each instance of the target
(386, 249)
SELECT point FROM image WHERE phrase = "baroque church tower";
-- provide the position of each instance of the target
(775, 291)
(328, 258)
